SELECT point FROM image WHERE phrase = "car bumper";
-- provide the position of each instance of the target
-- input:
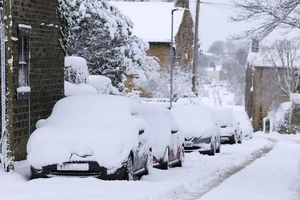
(227, 138)
(93, 170)
(198, 144)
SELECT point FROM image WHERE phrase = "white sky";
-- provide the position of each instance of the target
(214, 22)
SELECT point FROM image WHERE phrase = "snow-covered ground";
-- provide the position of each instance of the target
(274, 176)
(177, 183)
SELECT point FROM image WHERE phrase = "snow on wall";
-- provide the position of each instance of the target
(152, 20)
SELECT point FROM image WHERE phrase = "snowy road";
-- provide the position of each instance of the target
(274, 176)
(202, 177)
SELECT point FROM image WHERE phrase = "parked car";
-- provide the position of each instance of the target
(165, 137)
(230, 130)
(100, 136)
(199, 128)
(245, 123)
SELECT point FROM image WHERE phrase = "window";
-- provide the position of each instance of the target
(23, 45)
(23, 91)
(23, 75)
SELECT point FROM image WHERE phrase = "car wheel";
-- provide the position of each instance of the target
(240, 139)
(181, 157)
(129, 174)
(165, 160)
(212, 150)
(233, 140)
(218, 150)
(149, 163)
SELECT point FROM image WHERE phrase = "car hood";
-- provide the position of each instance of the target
(109, 146)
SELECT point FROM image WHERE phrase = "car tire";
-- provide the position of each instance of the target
(233, 140)
(212, 150)
(129, 174)
(181, 157)
(165, 161)
(149, 163)
(218, 150)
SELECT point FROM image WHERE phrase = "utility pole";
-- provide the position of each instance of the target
(172, 57)
(195, 57)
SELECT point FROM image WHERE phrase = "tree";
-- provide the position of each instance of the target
(100, 33)
(217, 48)
(6, 153)
(284, 55)
(270, 14)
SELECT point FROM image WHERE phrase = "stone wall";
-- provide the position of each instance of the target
(184, 40)
(265, 95)
(161, 51)
(46, 67)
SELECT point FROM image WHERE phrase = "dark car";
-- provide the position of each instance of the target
(91, 136)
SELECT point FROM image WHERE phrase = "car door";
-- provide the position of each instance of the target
(142, 150)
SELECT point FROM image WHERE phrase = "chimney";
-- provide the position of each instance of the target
(181, 3)
(255, 45)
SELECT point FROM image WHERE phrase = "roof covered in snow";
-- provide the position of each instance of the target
(152, 20)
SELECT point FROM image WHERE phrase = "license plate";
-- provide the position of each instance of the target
(73, 167)
(188, 144)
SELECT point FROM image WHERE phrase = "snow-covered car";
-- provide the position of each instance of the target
(230, 130)
(244, 123)
(100, 136)
(165, 137)
(199, 128)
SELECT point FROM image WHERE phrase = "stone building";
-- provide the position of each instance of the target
(262, 94)
(152, 23)
(38, 67)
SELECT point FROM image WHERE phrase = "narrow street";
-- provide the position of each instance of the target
(261, 164)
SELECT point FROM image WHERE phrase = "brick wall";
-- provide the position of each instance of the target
(46, 67)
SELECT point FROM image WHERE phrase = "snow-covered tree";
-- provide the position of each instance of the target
(158, 84)
(284, 56)
(100, 33)
(270, 15)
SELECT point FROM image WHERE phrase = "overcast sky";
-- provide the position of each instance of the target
(215, 24)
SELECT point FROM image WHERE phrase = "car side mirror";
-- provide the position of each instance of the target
(141, 132)
(174, 131)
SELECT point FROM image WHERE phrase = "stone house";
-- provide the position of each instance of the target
(38, 67)
(149, 16)
(262, 94)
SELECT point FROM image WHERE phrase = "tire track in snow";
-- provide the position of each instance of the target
(197, 193)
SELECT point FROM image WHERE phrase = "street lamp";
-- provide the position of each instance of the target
(172, 57)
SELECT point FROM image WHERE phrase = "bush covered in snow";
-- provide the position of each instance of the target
(100, 33)
(102, 84)
(76, 70)
(281, 118)
(158, 85)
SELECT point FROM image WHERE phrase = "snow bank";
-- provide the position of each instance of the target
(145, 17)
(99, 125)
(280, 120)
(102, 84)
(76, 70)
(195, 121)
(80, 89)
